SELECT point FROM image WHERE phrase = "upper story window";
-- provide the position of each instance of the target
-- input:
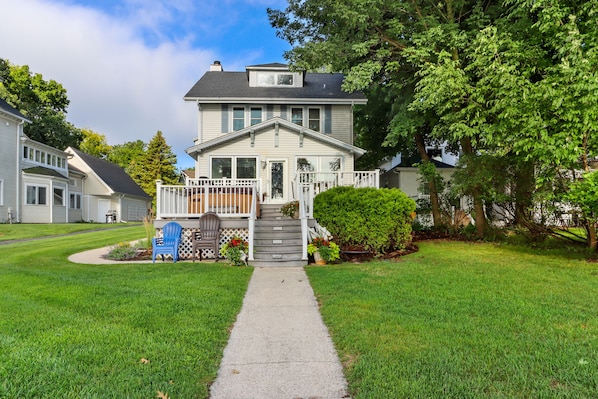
(275, 79)
(256, 115)
(238, 118)
(43, 158)
(297, 116)
(314, 119)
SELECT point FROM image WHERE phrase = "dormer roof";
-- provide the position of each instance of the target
(234, 87)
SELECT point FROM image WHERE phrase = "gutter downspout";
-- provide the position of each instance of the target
(19, 155)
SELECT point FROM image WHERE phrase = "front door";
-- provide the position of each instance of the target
(277, 177)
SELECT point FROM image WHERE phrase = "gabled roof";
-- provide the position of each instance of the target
(272, 123)
(409, 162)
(111, 174)
(9, 109)
(43, 171)
(233, 87)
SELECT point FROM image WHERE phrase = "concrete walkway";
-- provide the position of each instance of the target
(279, 347)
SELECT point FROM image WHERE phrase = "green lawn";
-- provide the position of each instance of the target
(460, 320)
(24, 230)
(111, 331)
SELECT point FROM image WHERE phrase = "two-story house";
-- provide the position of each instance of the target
(35, 184)
(268, 123)
(266, 136)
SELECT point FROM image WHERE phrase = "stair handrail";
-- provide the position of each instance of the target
(251, 222)
(303, 218)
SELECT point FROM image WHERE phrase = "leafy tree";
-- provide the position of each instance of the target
(583, 194)
(94, 144)
(128, 154)
(43, 102)
(158, 163)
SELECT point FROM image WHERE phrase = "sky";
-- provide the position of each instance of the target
(126, 64)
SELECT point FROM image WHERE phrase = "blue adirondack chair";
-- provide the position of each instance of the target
(169, 243)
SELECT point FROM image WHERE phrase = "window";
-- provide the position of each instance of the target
(284, 79)
(59, 196)
(297, 116)
(238, 118)
(221, 167)
(314, 119)
(322, 164)
(275, 79)
(31, 154)
(243, 168)
(25, 152)
(53, 160)
(38, 155)
(246, 168)
(256, 115)
(1, 192)
(36, 195)
(75, 201)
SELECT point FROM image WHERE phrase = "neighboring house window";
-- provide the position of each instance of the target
(75, 201)
(38, 155)
(314, 119)
(297, 116)
(1, 192)
(238, 118)
(234, 168)
(37, 195)
(256, 115)
(59, 196)
(31, 154)
(25, 152)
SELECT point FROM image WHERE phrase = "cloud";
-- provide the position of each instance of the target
(117, 84)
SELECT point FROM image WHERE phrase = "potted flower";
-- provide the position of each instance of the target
(323, 250)
(235, 251)
(290, 209)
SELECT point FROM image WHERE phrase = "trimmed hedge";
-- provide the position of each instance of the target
(378, 220)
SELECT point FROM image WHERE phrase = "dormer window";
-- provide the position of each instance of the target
(274, 79)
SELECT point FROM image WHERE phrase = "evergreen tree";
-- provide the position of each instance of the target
(158, 163)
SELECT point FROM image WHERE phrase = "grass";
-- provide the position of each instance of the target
(24, 230)
(111, 331)
(460, 320)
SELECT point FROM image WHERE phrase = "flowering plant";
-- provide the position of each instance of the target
(290, 208)
(328, 250)
(321, 243)
(235, 251)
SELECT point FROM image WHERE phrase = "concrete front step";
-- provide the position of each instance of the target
(277, 263)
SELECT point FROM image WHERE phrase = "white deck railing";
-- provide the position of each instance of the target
(310, 184)
(226, 197)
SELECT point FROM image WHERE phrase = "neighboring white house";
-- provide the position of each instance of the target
(35, 185)
(109, 194)
(41, 184)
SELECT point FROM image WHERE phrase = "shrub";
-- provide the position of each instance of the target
(376, 219)
(122, 251)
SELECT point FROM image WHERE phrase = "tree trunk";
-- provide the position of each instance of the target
(524, 185)
(592, 240)
(478, 203)
(434, 202)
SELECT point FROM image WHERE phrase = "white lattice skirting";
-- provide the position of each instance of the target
(185, 248)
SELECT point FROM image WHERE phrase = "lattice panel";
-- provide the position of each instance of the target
(185, 248)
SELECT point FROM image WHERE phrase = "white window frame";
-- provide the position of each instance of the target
(301, 121)
(37, 194)
(61, 191)
(1, 192)
(253, 121)
(274, 79)
(233, 166)
(75, 199)
(309, 119)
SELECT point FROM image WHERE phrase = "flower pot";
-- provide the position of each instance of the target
(318, 258)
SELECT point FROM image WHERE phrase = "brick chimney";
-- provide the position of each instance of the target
(216, 67)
